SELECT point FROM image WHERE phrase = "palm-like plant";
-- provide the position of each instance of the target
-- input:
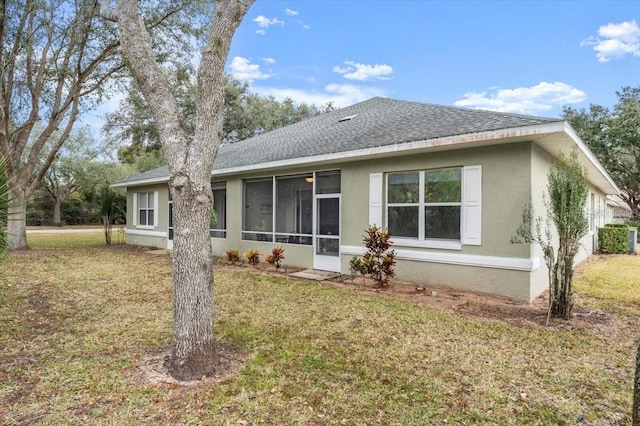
(107, 210)
(4, 206)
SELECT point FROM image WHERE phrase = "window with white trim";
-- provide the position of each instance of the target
(146, 211)
(425, 205)
(438, 208)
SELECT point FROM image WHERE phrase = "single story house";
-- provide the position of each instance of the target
(449, 183)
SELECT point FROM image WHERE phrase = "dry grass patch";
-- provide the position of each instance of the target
(77, 319)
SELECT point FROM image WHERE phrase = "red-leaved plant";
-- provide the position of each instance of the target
(276, 257)
(378, 262)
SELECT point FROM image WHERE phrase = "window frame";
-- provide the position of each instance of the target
(421, 240)
(151, 211)
(275, 235)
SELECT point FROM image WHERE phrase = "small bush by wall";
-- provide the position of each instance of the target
(614, 238)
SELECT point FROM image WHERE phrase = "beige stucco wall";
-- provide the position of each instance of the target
(540, 165)
(501, 282)
(506, 183)
(510, 174)
(139, 236)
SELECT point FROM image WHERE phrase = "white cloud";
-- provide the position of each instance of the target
(303, 25)
(615, 41)
(264, 23)
(524, 100)
(243, 69)
(364, 72)
(269, 60)
(291, 12)
(341, 95)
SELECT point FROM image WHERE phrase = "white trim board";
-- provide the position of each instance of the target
(143, 182)
(146, 233)
(511, 263)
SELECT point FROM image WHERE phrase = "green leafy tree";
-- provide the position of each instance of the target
(58, 60)
(245, 115)
(62, 179)
(70, 190)
(567, 189)
(614, 137)
(134, 123)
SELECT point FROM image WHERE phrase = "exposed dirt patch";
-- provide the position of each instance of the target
(483, 305)
(152, 368)
(469, 303)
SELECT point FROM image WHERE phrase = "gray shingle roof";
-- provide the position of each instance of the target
(155, 175)
(377, 122)
(374, 123)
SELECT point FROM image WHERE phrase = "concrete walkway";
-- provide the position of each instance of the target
(314, 274)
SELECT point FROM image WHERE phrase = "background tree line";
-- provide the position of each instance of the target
(132, 133)
(69, 193)
(613, 135)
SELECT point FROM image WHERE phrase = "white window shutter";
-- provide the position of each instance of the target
(375, 199)
(155, 209)
(134, 214)
(472, 206)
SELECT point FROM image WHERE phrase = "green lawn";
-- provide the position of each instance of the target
(77, 318)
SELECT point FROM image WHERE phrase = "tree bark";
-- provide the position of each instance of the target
(17, 219)
(193, 353)
(190, 162)
(57, 207)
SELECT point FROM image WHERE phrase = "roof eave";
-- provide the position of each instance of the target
(143, 182)
(538, 132)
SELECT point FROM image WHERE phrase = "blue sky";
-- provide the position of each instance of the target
(527, 57)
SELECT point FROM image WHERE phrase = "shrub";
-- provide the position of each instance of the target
(613, 238)
(253, 257)
(567, 188)
(379, 261)
(232, 256)
(276, 257)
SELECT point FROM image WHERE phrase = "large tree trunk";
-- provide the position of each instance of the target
(17, 220)
(190, 162)
(193, 354)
